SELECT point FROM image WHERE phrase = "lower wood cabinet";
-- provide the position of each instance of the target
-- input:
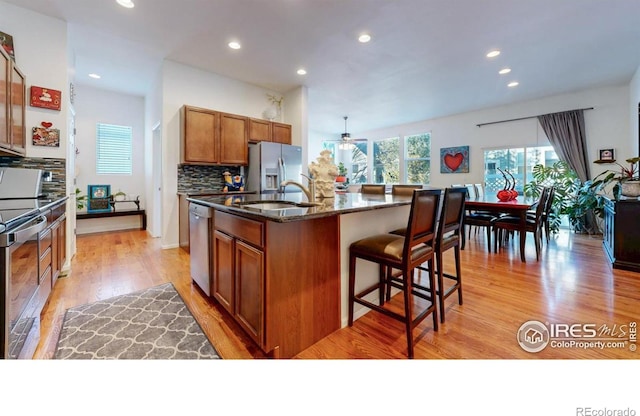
(622, 233)
(239, 276)
(277, 281)
(52, 252)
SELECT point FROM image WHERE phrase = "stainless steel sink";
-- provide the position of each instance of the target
(270, 205)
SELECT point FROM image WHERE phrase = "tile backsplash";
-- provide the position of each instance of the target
(58, 168)
(203, 178)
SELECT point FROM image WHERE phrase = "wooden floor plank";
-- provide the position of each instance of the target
(573, 283)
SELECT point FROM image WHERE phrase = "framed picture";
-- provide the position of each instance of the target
(454, 159)
(6, 41)
(99, 198)
(43, 136)
(606, 155)
(45, 98)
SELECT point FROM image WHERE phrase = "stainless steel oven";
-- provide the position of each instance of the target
(21, 294)
(19, 289)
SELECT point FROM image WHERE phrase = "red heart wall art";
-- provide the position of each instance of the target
(46, 124)
(453, 162)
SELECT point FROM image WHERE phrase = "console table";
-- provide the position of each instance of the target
(123, 213)
(622, 233)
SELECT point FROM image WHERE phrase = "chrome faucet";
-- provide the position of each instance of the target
(310, 192)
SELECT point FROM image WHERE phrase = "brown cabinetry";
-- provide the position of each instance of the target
(12, 108)
(280, 286)
(281, 133)
(233, 139)
(239, 271)
(51, 250)
(259, 130)
(622, 233)
(213, 138)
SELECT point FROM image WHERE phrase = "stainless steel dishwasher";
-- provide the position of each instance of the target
(200, 234)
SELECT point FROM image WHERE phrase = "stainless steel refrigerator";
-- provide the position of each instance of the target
(272, 163)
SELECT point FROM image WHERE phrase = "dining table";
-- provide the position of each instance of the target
(516, 207)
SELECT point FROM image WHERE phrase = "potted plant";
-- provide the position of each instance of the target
(342, 173)
(81, 200)
(625, 182)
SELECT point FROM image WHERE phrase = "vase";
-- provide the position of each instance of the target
(630, 188)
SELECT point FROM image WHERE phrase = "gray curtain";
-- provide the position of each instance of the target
(567, 135)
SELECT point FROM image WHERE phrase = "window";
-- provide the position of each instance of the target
(113, 150)
(353, 157)
(386, 160)
(517, 161)
(417, 159)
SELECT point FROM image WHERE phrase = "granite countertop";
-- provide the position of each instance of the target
(341, 204)
(202, 192)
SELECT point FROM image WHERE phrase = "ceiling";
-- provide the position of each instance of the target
(426, 58)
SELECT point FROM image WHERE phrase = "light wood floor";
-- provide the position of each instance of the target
(573, 283)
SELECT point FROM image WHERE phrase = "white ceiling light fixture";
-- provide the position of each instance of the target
(94, 76)
(513, 84)
(126, 3)
(235, 45)
(504, 71)
(301, 71)
(364, 38)
(493, 53)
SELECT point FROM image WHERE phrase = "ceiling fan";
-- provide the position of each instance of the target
(346, 142)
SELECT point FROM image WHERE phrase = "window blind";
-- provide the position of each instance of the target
(113, 150)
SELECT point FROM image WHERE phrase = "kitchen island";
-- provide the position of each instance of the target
(280, 267)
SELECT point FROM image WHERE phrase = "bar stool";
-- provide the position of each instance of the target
(450, 234)
(403, 253)
(404, 190)
(374, 189)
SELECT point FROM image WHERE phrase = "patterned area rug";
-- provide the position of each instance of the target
(150, 324)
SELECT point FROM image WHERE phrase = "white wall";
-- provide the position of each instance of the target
(634, 101)
(40, 45)
(99, 106)
(607, 126)
(182, 85)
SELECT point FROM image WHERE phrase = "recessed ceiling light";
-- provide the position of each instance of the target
(234, 45)
(364, 38)
(301, 71)
(493, 54)
(94, 76)
(513, 84)
(126, 3)
(504, 71)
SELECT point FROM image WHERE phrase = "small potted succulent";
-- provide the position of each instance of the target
(625, 182)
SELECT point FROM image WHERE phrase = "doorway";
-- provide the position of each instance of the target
(156, 209)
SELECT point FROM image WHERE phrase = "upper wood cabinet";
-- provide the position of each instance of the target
(233, 139)
(213, 138)
(280, 133)
(200, 136)
(259, 130)
(12, 107)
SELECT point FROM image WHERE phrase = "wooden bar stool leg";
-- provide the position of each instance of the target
(440, 289)
(352, 286)
(382, 272)
(456, 252)
(432, 287)
(408, 310)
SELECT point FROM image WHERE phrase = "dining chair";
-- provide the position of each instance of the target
(546, 213)
(533, 224)
(405, 190)
(474, 220)
(376, 189)
(405, 254)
